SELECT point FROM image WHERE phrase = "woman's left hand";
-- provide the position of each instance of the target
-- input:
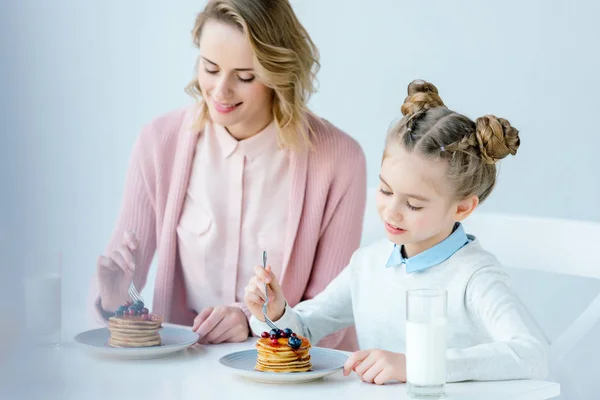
(221, 324)
(377, 366)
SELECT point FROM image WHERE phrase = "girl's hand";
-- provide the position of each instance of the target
(255, 294)
(377, 366)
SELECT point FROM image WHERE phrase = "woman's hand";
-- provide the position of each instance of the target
(115, 273)
(221, 324)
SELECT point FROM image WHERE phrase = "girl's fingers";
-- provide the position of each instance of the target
(262, 274)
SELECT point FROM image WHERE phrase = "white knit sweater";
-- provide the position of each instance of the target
(489, 335)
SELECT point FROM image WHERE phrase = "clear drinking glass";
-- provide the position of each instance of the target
(426, 320)
(42, 297)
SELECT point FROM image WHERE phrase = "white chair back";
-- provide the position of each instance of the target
(544, 244)
(552, 245)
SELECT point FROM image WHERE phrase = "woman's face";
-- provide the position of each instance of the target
(235, 97)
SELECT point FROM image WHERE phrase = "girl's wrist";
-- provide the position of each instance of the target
(280, 314)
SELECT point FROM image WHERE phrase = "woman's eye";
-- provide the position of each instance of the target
(246, 80)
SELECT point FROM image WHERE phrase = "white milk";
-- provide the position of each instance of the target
(426, 352)
(43, 307)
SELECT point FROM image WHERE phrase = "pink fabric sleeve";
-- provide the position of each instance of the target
(137, 214)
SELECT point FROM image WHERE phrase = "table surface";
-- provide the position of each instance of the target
(70, 372)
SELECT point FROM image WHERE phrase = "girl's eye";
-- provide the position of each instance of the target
(211, 71)
(410, 206)
(384, 192)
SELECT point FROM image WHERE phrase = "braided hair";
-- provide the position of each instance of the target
(470, 148)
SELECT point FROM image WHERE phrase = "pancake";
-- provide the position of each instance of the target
(114, 342)
(140, 329)
(281, 357)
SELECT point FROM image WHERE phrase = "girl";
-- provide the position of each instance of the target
(438, 166)
(247, 167)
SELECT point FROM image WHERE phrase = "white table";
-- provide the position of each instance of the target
(70, 373)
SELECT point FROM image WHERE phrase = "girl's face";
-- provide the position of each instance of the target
(235, 97)
(416, 202)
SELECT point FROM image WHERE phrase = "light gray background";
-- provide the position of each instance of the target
(78, 80)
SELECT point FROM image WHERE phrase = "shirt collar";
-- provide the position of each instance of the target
(252, 147)
(432, 256)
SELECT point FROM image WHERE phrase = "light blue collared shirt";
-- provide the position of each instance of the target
(432, 256)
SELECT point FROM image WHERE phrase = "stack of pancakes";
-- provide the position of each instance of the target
(134, 331)
(281, 357)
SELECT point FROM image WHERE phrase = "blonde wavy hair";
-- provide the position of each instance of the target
(471, 149)
(285, 59)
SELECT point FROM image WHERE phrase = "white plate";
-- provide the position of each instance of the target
(172, 339)
(324, 362)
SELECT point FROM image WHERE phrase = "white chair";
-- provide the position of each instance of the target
(549, 245)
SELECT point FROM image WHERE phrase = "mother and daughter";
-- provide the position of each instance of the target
(249, 168)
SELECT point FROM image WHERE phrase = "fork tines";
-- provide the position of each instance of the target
(134, 294)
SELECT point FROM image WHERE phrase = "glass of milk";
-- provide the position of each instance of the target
(426, 321)
(42, 297)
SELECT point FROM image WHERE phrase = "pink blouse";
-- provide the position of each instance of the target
(236, 206)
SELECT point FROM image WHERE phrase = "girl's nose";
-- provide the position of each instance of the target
(395, 214)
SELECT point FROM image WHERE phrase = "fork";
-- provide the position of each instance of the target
(264, 307)
(133, 293)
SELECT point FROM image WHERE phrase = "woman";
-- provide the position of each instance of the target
(247, 168)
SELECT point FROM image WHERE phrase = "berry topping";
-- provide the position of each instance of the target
(283, 334)
(131, 311)
(138, 304)
(294, 342)
(146, 317)
(119, 312)
(144, 311)
(264, 335)
(293, 335)
(275, 332)
(288, 331)
(273, 336)
(274, 341)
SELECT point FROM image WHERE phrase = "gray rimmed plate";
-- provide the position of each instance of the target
(324, 362)
(173, 340)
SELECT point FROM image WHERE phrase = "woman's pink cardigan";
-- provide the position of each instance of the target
(326, 210)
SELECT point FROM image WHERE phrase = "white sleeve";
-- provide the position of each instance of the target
(326, 313)
(514, 352)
